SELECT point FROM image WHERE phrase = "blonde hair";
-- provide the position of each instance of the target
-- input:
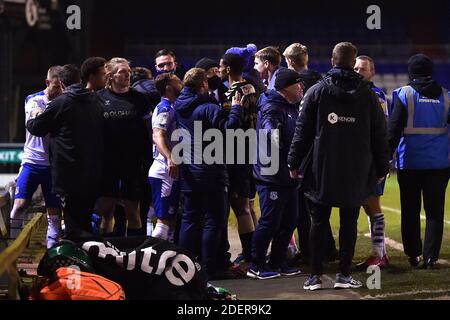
(111, 67)
(297, 53)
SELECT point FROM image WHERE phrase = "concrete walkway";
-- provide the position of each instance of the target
(289, 288)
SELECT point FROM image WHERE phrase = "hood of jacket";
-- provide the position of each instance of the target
(189, 100)
(345, 84)
(145, 86)
(427, 87)
(79, 92)
(309, 78)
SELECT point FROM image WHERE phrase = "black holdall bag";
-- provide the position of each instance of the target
(148, 268)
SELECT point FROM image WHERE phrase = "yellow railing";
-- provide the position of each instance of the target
(5, 208)
(8, 258)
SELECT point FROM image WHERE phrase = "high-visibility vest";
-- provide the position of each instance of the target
(425, 143)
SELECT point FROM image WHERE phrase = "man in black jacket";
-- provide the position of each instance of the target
(297, 58)
(74, 121)
(126, 148)
(341, 120)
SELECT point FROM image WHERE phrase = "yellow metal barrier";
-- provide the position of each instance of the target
(8, 258)
(5, 208)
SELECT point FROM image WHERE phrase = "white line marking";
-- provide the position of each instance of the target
(422, 216)
(400, 294)
(399, 247)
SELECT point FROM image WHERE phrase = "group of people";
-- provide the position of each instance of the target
(103, 139)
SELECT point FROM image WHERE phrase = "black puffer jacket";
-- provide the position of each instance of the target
(342, 121)
(309, 78)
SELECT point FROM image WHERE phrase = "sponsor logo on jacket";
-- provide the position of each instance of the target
(333, 118)
(119, 114)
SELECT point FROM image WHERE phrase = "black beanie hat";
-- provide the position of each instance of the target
(419, 66)
(206, 64)
(285, 78)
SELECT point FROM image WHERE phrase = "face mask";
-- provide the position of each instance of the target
(158, 72)
(214, 83)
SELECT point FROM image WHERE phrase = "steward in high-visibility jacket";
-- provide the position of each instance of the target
(418, 130)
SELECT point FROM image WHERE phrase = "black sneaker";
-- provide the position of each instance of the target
(343, 282)
(285, 270)
(429, 263)
(414, 261)
(313, 283)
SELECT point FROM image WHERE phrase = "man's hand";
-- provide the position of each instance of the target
(294, 174)
(173, 169)
(380, 180)
(236, 101)
(36, 112)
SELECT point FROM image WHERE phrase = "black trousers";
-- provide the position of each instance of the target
(145, 203)
(432, 185)
(77, 215)
(223, 254)
(202, 223)
(304, 227)
(347, 236)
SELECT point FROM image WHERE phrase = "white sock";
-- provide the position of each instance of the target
(161, 231)
(16, 223)
(377, 224)
(150, 216)
(54, 230)
(149, 228)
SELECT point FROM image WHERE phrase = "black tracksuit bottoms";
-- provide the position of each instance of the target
(348, 230)
(432, 184)
(77, 215)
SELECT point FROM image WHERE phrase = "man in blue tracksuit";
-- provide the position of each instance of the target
(204, 186)
(278, 194)
(418, 130)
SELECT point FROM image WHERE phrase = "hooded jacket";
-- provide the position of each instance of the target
(191, 110)
(74, 121)
(342, 121)
(275, 112)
